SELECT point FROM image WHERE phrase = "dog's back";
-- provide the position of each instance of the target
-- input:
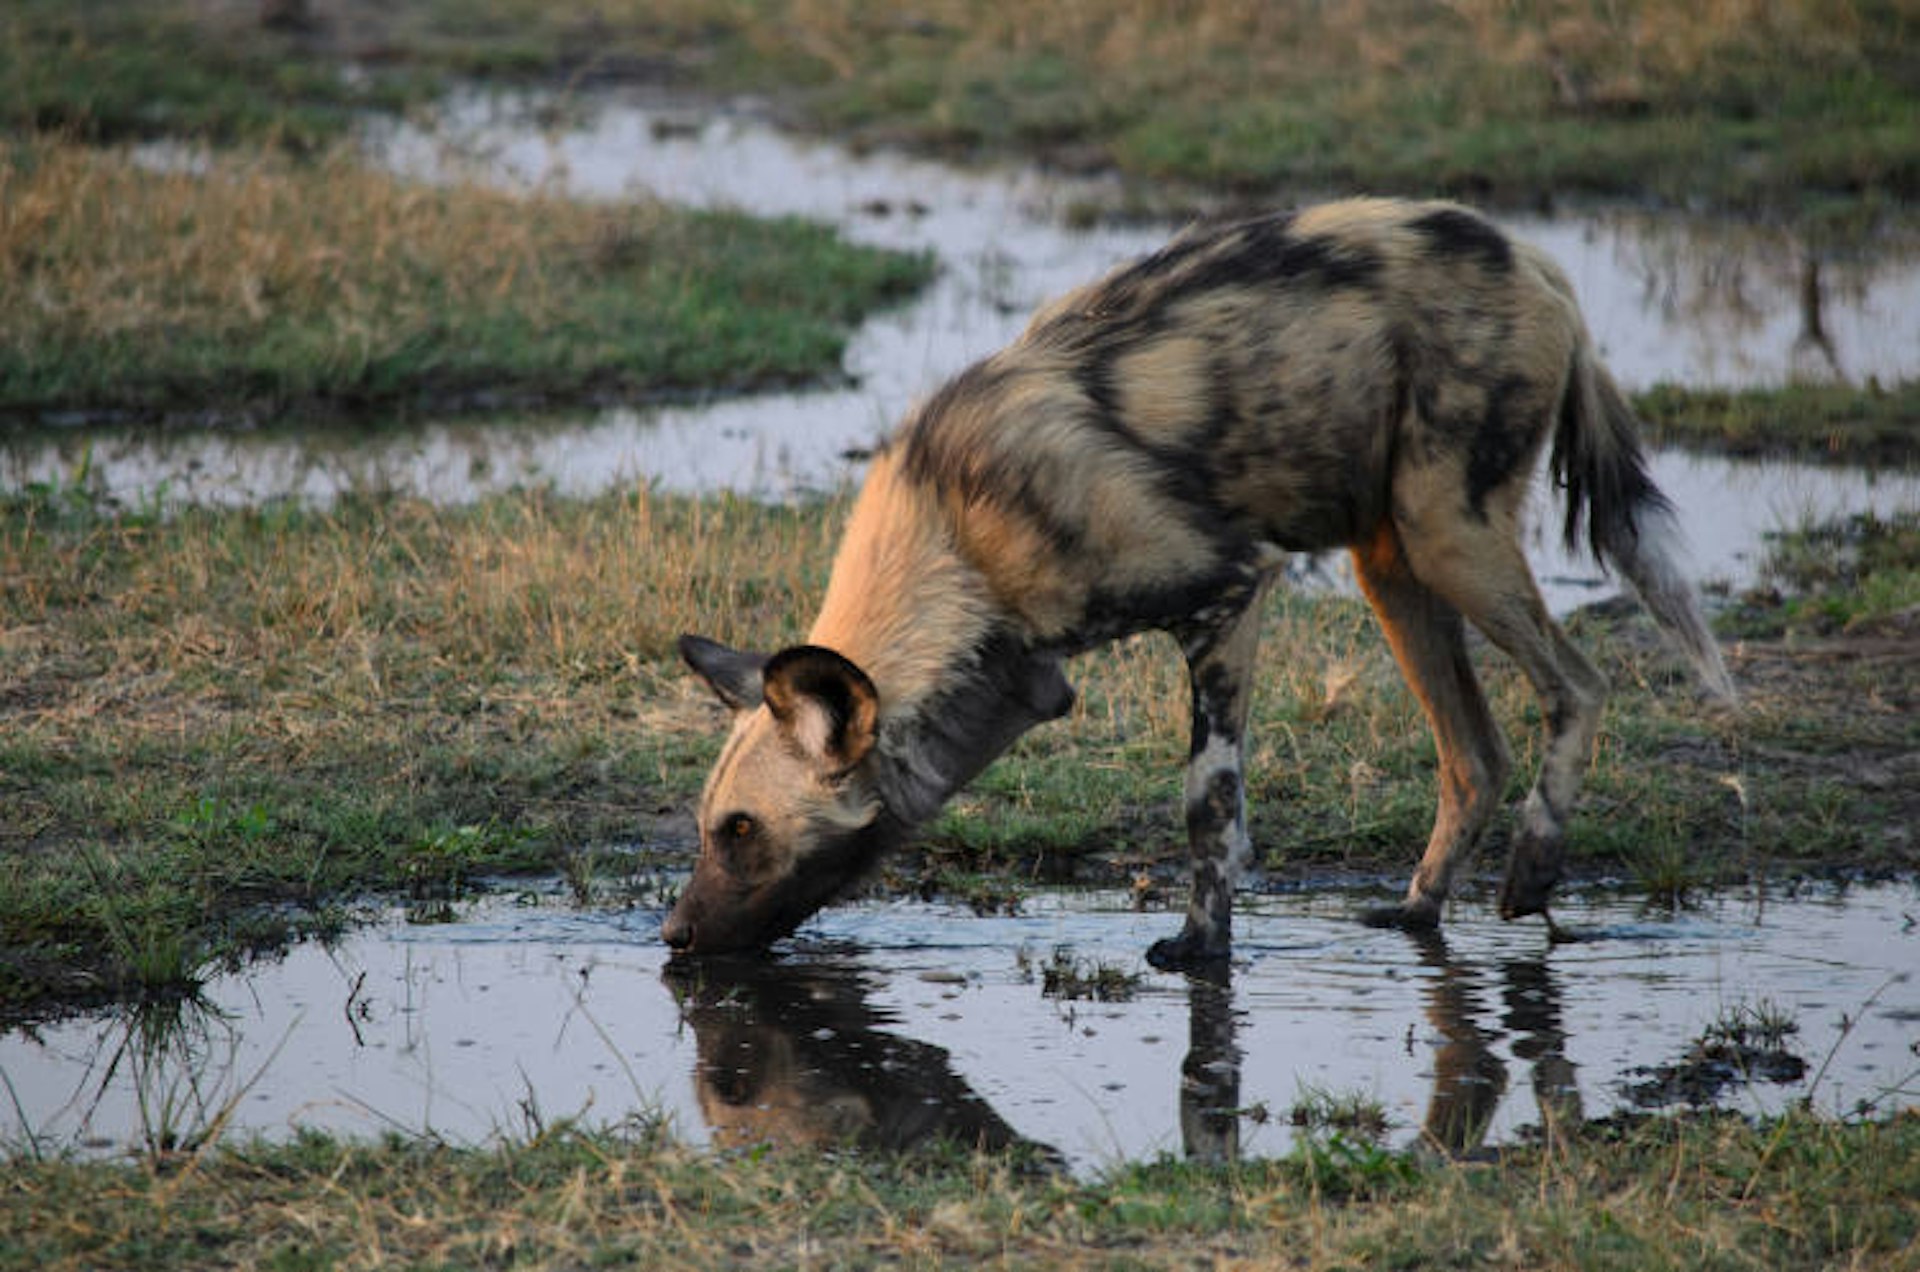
(1250, 387)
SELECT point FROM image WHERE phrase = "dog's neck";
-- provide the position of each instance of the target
(957, 681)
(927, 754)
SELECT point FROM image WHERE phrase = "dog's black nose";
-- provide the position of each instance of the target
(677, 932)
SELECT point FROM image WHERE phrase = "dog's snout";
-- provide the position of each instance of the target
(677, 932)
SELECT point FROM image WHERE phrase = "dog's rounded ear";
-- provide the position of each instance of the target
(825, 703)
(734, 675)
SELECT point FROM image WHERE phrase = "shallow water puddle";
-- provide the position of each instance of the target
(1688, 302)
(891, 1023)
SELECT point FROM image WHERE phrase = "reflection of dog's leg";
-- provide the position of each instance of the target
(1210, 1074)
(1468, 1079)
(1533, 1014)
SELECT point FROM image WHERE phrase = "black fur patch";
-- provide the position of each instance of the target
(1133, 303)
(1500, 442)
(1213, 701)
(1224, 416)
(1216, 809)
(1095, 380)
(1205, 599)
(1458, 233)
(1266, 252)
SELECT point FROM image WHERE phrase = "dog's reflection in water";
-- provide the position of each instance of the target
(795, 1054)
(1469, 1077)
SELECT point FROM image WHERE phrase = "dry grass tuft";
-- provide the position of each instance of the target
(131, 248)
(187, 278)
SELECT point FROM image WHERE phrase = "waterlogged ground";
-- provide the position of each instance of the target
(1670, 300)
(890, 1023)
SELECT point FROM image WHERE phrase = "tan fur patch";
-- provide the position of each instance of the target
(1139, 539)
(902, 601)
(1164, 388)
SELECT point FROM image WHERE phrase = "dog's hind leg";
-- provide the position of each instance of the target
(1474, 563)
(1429, 640)
(1220, 659)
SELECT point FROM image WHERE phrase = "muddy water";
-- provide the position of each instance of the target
(892, 1023)
(1669, 300)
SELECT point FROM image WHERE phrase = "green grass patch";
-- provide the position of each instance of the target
(1787, 105)
(254, 283)
(1858, 574)
(230, 711)
(1691, 1193)
(1875, 426)
(106, 72)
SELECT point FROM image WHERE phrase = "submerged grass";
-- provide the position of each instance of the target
(1067, 976)
(1856, 574)
(1684, 1194)
(239, 283)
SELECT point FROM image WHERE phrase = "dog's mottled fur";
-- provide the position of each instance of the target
(1375, 375)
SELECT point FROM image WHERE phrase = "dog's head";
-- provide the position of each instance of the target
(790, 815)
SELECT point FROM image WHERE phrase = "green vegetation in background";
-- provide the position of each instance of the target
(243, 282)
(1778, 107)
(1754, 106)
(108, 71)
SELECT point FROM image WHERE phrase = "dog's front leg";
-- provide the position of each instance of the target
(1220, 658)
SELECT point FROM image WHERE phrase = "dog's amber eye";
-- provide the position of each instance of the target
(733, 843)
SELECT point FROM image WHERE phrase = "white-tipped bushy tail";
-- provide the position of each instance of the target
(1651, 562)
(1630, 525)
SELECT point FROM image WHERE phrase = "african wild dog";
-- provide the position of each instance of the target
(1374, 375)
